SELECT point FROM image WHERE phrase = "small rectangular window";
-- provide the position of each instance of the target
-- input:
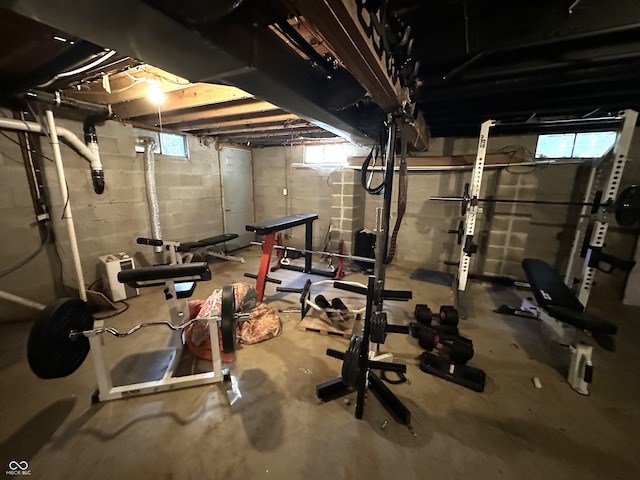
(555, 146)
(172, 144)
(575, 145)
(593, 144)
(331, 154)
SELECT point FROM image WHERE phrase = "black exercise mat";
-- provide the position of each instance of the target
(432, 276)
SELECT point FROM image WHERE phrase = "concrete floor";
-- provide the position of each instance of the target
(279, 429)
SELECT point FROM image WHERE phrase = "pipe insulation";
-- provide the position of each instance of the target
(150, 187)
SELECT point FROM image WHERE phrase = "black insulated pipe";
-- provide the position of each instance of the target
(101, 112)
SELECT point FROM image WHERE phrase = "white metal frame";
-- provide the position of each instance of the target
(620, 152)
(472, 210)
(179, 309)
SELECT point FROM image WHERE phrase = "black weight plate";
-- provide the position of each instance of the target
(50, 351)
(351, 362)
(627, 207)
(378, 327)
(228, 319)
(465, 200)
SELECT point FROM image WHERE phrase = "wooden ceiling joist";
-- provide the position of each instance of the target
(192, 97)
(199, 117)
(259, 128)
(240, 121)
(279, 132)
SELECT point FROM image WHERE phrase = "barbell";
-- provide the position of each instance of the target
(58, 342)
(320, 252)
(626, 207)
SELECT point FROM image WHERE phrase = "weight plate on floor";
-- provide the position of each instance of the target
(351, 363)
(228, 327)
(50, 351)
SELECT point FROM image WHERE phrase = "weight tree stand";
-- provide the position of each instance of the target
(362, 354)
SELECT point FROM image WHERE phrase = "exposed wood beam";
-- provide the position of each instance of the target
(266, 133)
(198, 117)
(245, 120)
(190, 97)
(259, 128)
(338, 22)
(286, 138)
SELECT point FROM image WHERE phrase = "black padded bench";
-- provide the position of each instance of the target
(557, 303)
(283, 223)
(183, 276)
(206, 242)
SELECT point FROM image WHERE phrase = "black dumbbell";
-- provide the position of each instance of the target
(459, 349)
(444, 331)
(448, 315)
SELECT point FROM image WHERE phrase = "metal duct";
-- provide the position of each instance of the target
(150, 186)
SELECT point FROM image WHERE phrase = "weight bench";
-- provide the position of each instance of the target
(206, 246)
(559, 308)
(179, 282)
(269, 228)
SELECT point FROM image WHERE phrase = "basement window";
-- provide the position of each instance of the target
(171, 144)
(575, 145)
(330, 154)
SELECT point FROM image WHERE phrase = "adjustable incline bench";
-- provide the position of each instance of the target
(559, 308)
(206, 247)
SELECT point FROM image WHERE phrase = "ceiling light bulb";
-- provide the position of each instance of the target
(156, 95)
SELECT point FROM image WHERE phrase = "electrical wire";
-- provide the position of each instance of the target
(29, 257)
(81, 69)
(27, 149)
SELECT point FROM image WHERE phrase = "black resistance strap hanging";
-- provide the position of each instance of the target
(403, 182)
(366, 176)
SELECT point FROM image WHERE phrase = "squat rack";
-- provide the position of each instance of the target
(599, 204)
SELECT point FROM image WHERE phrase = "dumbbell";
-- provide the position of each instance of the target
(448, 315)
(459, 349)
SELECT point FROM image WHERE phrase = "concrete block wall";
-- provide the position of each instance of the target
(308, 191)
(189, 197)
(19, 235)
(347, 205)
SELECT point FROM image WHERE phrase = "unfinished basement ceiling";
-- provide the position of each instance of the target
(298, 60)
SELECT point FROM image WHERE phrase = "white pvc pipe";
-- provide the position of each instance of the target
(21, 300)
(57, 156)
(68, 135)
